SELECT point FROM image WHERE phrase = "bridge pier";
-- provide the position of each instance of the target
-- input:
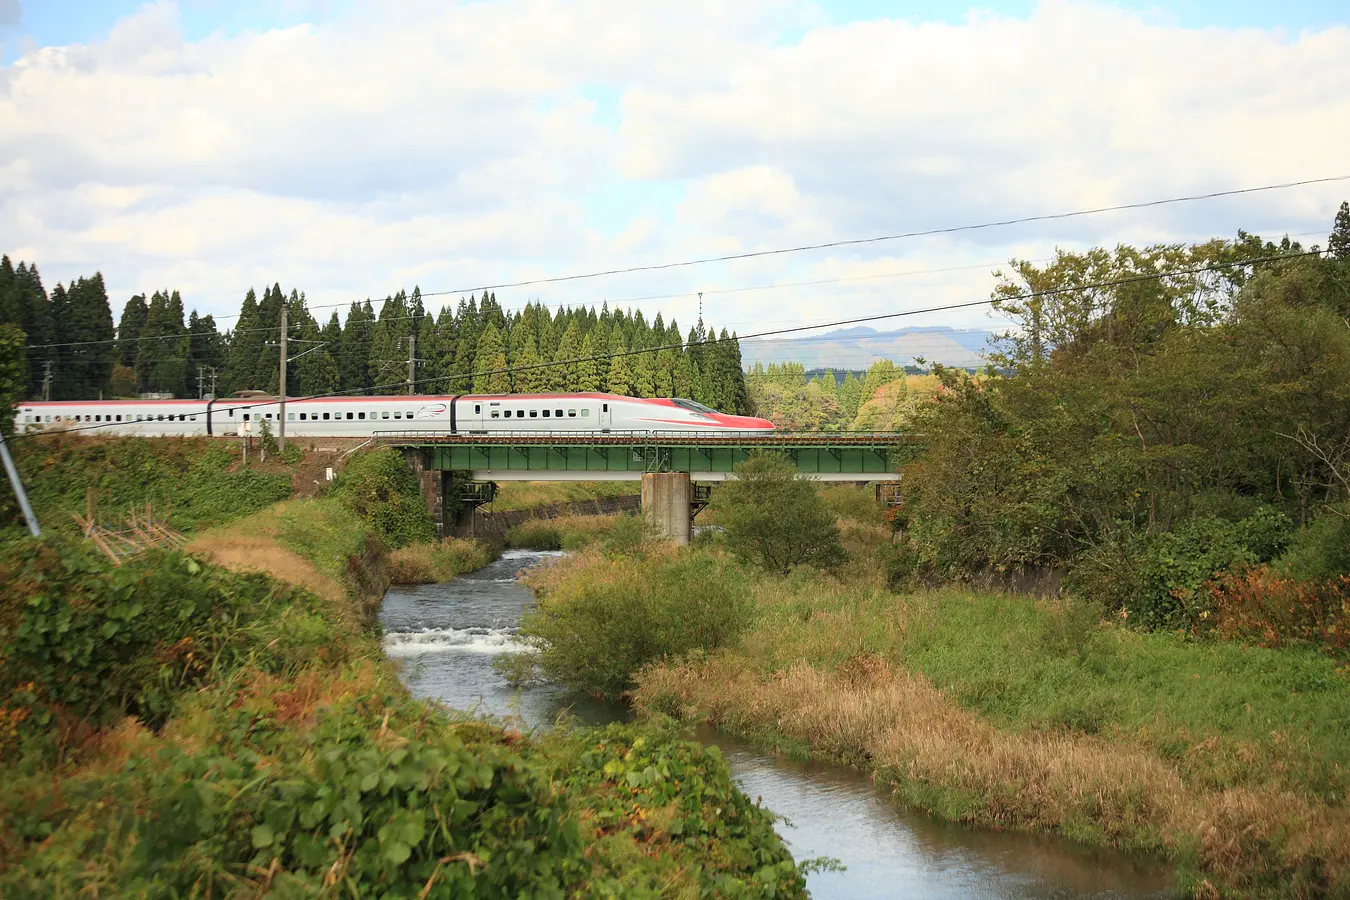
(436, 486)
(665, 503)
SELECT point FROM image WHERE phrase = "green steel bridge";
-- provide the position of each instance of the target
(627, 456)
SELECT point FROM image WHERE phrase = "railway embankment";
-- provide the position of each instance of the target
(222, 720)
(1004, 711)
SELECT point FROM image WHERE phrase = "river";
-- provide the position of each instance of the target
(448, 634)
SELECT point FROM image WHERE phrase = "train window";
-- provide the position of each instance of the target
(325, 417)
(269, 415)
(360, 415)
(546, 414)
(585, 413)
(604, 407)
(534, 413)
(304, 416)
(246, 417)
(478, 409)
(507, 414)
(571, 414)
(557, 413)
(397, 414)
(231, 414)
(290, 417)
(27, 419)
(49, 418)
(98, 418)
(384, 414)
(494, 414)
(350, 415)
(192, 418)
(409, 414)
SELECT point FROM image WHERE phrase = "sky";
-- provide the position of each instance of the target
(350, 148)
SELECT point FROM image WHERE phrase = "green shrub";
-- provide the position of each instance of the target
(1161, 580)
(84, 643)
(607, 618)
(775, 518)
(1320, 550)
(190, 482)
(536, 534)
(381, 488)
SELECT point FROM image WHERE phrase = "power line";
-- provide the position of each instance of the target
(1028, 295)
(955, 229)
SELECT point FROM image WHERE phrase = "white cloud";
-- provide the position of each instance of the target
(418, 142)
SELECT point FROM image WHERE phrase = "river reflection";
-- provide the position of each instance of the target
(448, 635)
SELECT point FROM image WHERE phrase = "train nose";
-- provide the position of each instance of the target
(746, 422)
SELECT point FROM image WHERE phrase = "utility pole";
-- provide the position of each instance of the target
(17, 484)
(47, 380)
(200, 387)
(281, 416)
(412, 362)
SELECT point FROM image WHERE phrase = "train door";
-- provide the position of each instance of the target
(604, 416)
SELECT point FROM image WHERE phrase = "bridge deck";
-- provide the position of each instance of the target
(594, 456)
(647, 438)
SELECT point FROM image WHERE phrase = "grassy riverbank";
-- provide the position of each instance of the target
(224, 722)
(1010, 712)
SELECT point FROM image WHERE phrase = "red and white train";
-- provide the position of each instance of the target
(364, 416)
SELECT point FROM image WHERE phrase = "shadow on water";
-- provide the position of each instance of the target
(447, 636)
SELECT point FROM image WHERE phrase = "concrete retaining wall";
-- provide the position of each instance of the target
(489, 525)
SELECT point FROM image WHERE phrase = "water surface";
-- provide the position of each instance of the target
(448, 635)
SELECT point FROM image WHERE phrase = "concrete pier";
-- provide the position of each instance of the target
(665, 503)
(437, 489)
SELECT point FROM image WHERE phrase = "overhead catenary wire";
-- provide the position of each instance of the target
(559, 306)
(848, 242)
(1026, 295)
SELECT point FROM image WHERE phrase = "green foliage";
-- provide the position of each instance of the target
(608, 617)
(190, 482)
(1160, 580)
(83, 643)
(1320, 550)
(379, 486)
(536, 534)
(13, 362)
(775, 518)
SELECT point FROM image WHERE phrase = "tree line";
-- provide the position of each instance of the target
(72, 350)
(1150, 437)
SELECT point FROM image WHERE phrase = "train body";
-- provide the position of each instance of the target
(364, 416)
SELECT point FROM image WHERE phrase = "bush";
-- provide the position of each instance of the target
(1162, 580)
(599, 620)
(430, 563)
(381, 488)
(536, 534)
(84, 643)
(774, 518)
(1262, 606)
(1321, 549)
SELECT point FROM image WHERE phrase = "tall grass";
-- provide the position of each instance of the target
(430, 563)
(512, 495)
(1015, 712)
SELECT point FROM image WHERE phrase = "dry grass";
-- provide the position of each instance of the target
(529, 494)
(949, 761)
(246, 553)
(430, 563)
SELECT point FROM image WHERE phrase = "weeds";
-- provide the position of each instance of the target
(431, 563)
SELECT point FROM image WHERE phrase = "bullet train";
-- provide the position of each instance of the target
(364, 416)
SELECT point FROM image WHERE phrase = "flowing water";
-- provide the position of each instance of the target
(447, 636)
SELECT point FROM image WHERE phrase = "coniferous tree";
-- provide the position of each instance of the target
(490, 355)
(129, 330)
(469, 330)
(850, 397)
(353, 352)
(620, 378)
(205, 352)
(162, 360)
(527, 377)
(566, 374)
(84, 325)
(1338, 243)
(589, 377)
(243, 345)
(25, 304)
(879, 374)
(267, 366)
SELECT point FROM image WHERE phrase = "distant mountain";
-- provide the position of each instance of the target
(860, 346)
